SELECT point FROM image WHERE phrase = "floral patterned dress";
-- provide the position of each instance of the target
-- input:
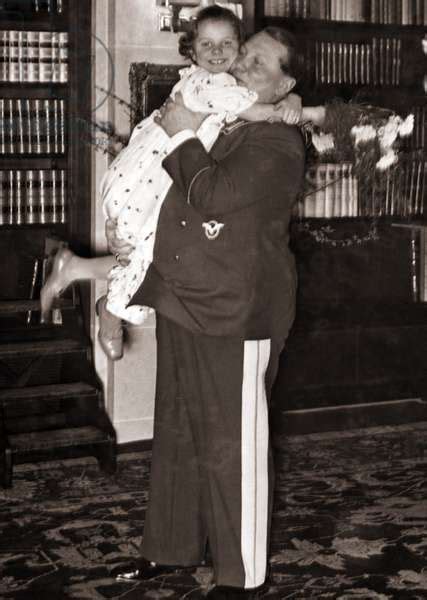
(135, 185)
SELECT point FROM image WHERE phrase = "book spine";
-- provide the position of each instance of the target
(319, 208)
(29, 127)
(55, 123)
(63, 57)
(42, 199)
(398, 61)
(13, 56)
(345, 190)
(56, 60)
(18, 216)
(329, 190)
(22, 56)
(45, 56)
(29, 198)
(309, 199)
(62, 125)
(2, 196)
(2, 127)
(20, 126)
(11, 127)
(354, 210)
(48, 204)
(38, 147)
(11, 198)
(62, 197)
(47, 125)
(33, 56)
(55, 202)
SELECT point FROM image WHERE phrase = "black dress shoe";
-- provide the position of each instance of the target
(141, 570)
(225, 592)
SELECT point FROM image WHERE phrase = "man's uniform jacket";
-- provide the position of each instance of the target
(221, 263)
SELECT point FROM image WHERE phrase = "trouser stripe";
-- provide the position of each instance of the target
(254, 489)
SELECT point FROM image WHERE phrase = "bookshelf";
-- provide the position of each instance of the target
(367, 51)
(359, 336)
(51, 402)
(45, 97)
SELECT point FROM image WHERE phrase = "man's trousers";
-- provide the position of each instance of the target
(211, 472)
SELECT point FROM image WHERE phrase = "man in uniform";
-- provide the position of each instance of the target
(223, 284)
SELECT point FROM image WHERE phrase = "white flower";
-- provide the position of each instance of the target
(363, 133)
(323, 142)
(406, 127)
(389, 132)
(386, 160)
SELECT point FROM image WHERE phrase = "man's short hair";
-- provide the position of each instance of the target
(287, 39)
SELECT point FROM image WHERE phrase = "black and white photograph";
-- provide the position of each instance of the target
(213, 299)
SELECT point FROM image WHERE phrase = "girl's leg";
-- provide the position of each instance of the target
(68, 267)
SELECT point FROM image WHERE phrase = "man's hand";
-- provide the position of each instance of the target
(289, 109)
(117, 246)
(175, 116)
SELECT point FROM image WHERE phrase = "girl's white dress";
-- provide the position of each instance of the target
(135, 185)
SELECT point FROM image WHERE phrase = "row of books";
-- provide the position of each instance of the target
(33, 6)
(399, 12)
(33, 56)
(32, 196)
(334, 191)
(33, 126)
(375, 63)
(405, 193)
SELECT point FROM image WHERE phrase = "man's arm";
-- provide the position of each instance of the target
(270, 157)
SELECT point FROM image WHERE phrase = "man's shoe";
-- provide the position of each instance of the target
(141, 570)
(225, 592)
(110, 334)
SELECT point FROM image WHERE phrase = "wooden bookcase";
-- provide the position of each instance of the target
(51, 403)
(360, 333)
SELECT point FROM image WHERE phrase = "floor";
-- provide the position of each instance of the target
(350, 522)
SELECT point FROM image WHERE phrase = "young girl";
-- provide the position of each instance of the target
(135, 185)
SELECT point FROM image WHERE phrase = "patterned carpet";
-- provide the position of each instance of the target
(350, 522)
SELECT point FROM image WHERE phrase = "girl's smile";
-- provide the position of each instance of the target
(216, 46)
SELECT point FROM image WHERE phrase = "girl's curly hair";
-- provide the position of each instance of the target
(210, 13)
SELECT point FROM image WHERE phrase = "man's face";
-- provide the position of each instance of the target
(258, 67)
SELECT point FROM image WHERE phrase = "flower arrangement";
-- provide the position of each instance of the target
(368, 137)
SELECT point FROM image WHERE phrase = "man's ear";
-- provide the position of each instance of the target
(286, 84)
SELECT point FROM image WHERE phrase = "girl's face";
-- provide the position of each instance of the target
(216, 46)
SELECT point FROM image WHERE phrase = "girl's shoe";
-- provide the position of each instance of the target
(55, 284)
(110, 334)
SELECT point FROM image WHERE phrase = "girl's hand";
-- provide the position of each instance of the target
(289, 110)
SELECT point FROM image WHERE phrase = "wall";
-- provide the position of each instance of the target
(128, 30)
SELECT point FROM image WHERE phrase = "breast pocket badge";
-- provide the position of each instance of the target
(212, 229)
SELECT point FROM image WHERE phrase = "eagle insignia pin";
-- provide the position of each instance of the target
(212, 229)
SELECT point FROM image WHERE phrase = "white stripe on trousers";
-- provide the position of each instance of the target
(254, 462)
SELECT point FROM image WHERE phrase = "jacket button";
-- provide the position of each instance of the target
(183, 223)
